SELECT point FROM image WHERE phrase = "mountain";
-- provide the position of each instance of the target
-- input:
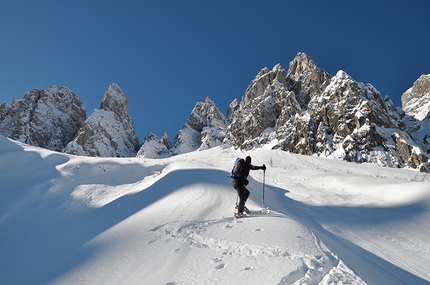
(48, 118)
(304, 110)
(204, 129)
(416, 105)
(154, 146)
(68, 219)
(108, 131)
(416, 100)
(309, 112)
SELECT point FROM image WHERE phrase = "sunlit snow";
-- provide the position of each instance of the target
(67, 219)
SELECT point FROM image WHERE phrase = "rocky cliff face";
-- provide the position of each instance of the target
(205, 128)
(304, 110)
(307, 111)
(109, 131)
(306, 79)
(310, 112)
(416, 105)
(416, 100)
(48, 118)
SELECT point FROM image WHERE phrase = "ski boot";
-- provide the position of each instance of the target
(238, 215)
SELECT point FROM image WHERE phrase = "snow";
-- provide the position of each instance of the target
(415, 101)
(67, 219)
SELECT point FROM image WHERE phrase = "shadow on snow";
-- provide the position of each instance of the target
(49, 244)
(371, 268)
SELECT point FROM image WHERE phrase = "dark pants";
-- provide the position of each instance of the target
(242, 192)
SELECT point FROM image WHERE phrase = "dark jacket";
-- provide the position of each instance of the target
(242, 169)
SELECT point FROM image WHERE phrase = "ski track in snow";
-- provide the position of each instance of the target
(229, 240)
(79, 220)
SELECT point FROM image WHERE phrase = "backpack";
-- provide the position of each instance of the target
(236, 171)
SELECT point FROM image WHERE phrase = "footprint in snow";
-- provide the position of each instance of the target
(220, 266)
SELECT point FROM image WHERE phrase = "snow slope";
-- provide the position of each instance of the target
(66, 219)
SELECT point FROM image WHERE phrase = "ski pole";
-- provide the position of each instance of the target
(264, 181)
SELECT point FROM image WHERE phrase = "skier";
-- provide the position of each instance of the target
(240, 174)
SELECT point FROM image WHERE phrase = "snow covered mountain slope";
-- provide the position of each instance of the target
(67, 219)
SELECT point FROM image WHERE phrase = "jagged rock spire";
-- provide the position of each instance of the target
(310, 112)
(115, 101)
(416, 100)
(306, 79)
(109, 131)
(204, 129)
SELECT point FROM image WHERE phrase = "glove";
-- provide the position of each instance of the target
(246, 182)
(263, 167)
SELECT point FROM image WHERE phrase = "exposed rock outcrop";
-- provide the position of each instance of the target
(304, 110)
(109, 131)
(204, 129)
(259, 109)
(312, 113)
(48, 118)
(416, 104)
(416, 100)
(306, 79)
(154, 146)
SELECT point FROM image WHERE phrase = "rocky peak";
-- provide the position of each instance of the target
(264, 101)
(264, 79)
(47, 118)
(109, 131)
(310, 112)
(306, 79)
(154, 146)
(358, 100)
(114, 100)
(416, 104)
(204, 129)
(206, 115)
(416, 100)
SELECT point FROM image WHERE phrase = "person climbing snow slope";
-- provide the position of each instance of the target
(240, 174)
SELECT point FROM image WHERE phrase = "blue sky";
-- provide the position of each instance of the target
(168, 55)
